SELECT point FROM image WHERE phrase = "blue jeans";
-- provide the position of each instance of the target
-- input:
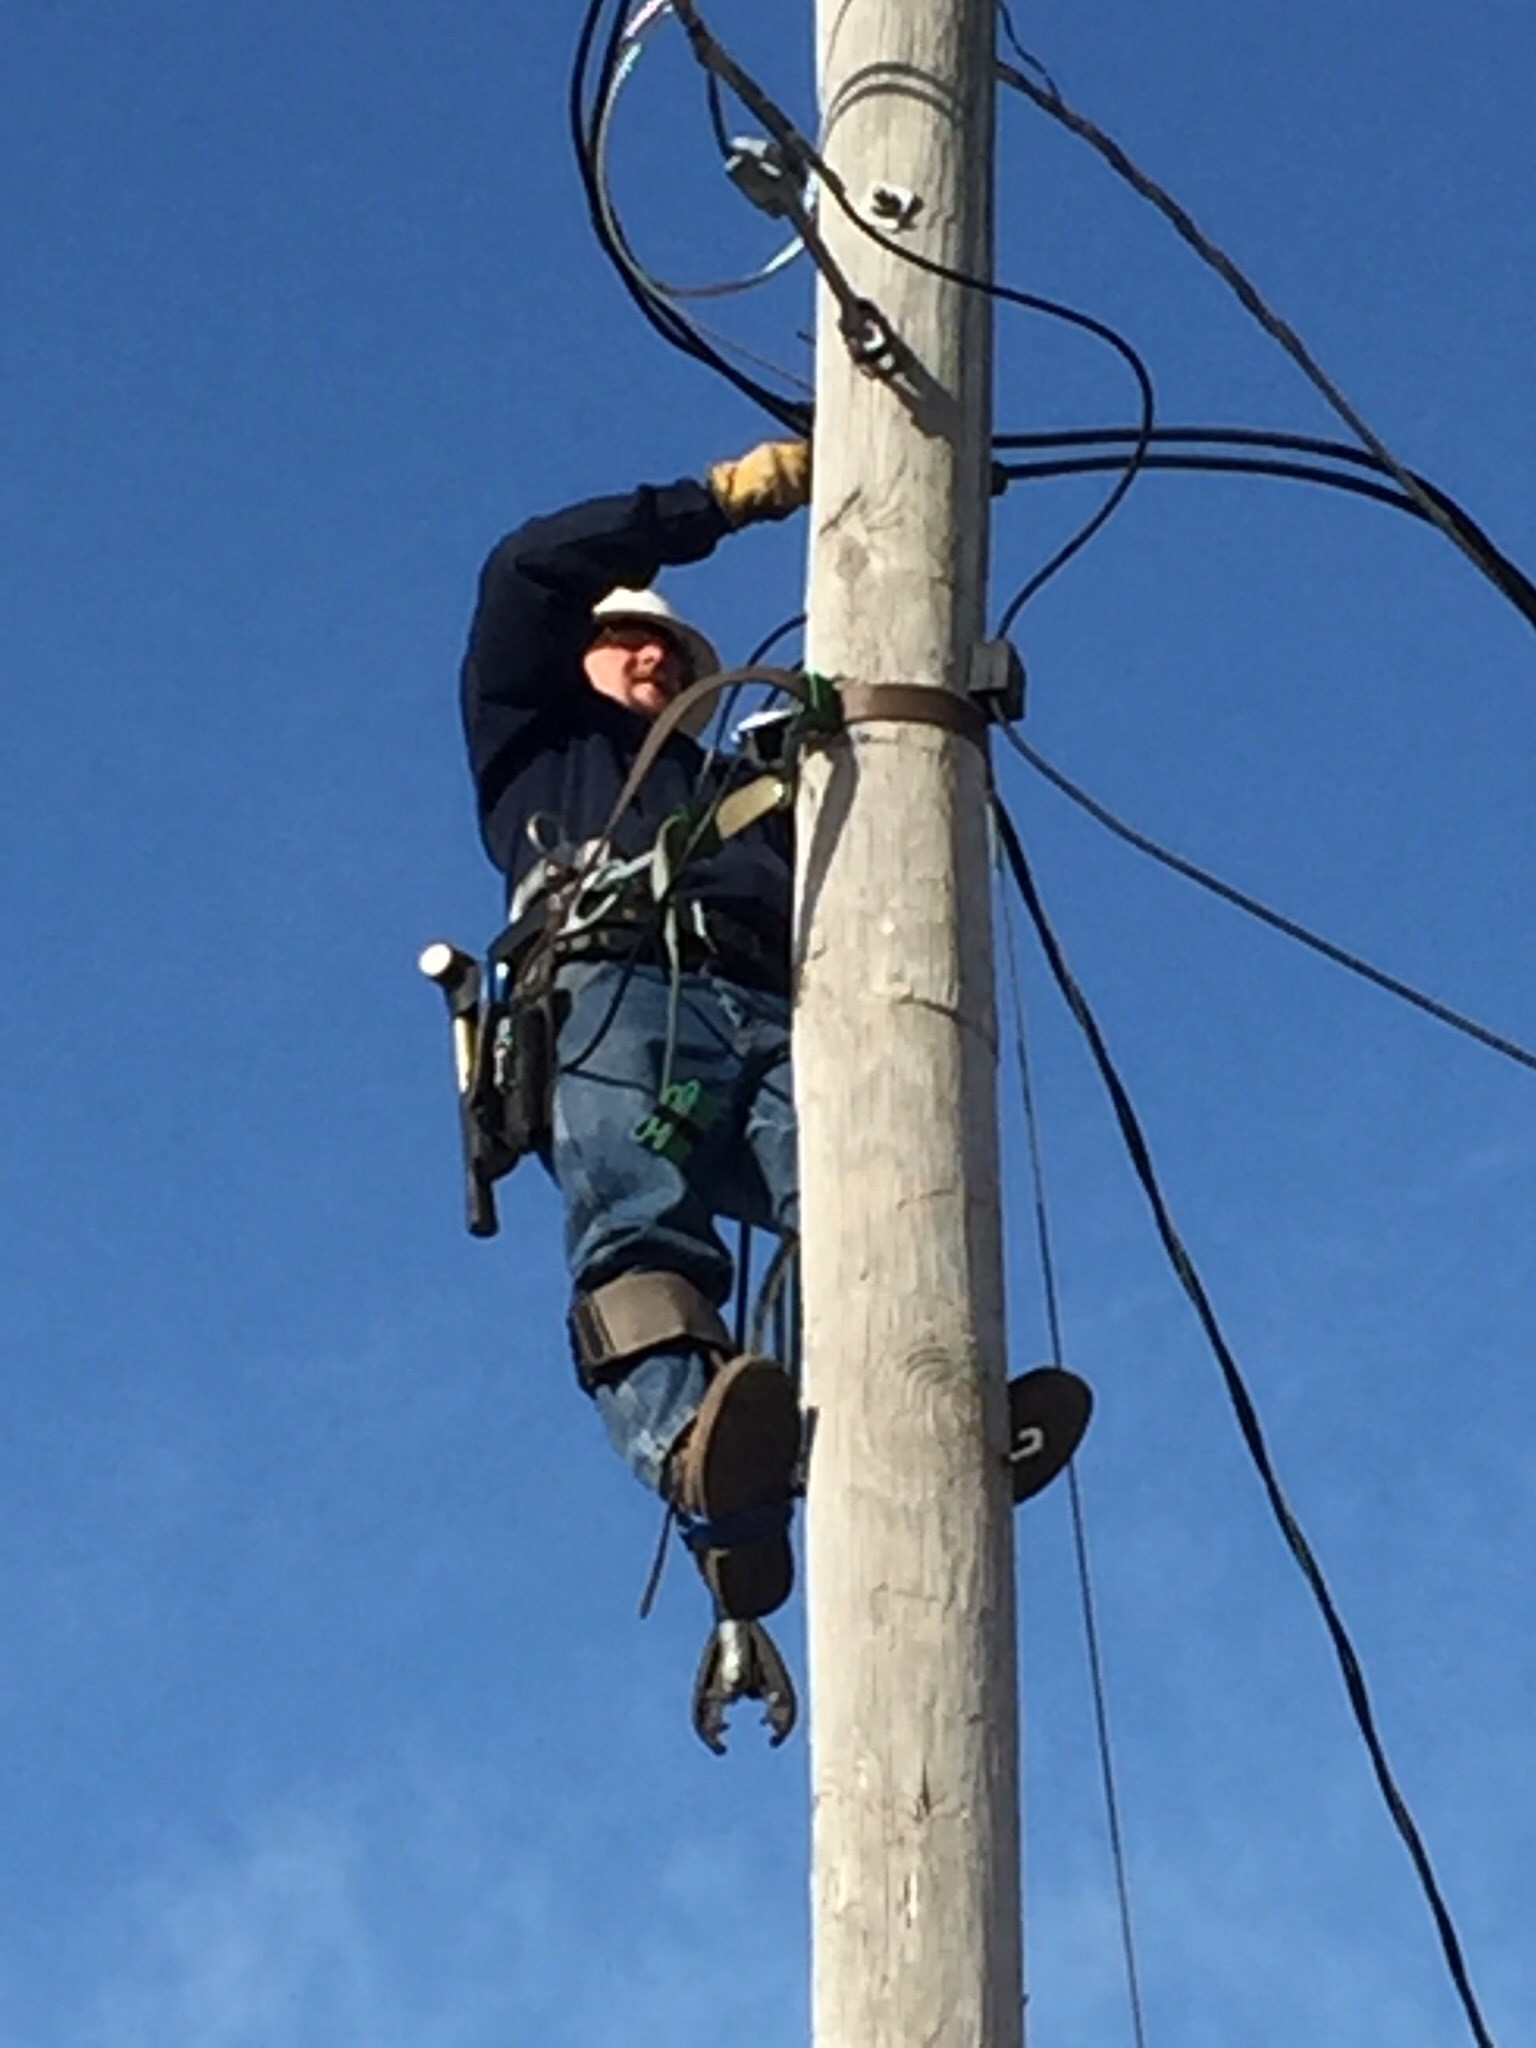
(627, 1209)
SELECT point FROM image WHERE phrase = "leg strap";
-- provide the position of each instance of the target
(639, 1312)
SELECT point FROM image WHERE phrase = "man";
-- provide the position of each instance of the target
(571, 657)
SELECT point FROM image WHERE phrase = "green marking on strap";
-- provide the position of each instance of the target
(685, 1111)
(822, 711)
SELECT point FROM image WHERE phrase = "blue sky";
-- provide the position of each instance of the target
(324, 1717)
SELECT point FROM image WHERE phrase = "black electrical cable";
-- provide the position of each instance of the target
(669, 323)
(1130, 469)
(665, 318)
(1244, 437)
(690, 336)
(1507, 1048)
(1086, 1597)
(583, 129)
(770, 1294)
(586, 133)
(1211, 465)
(743, 1285)
(1005, 16)
(657, 290)
(1506, 574)
(1049, 100)
(716, 102)
(1248, 1423)
(759, 653)
(765, 647)
(802, 154)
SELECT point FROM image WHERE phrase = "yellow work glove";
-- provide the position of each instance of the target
(769, 482)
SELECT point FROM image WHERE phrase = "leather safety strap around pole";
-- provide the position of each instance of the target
(860, 704)
(913, 704)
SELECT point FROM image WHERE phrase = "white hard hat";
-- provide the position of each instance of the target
(650, 608)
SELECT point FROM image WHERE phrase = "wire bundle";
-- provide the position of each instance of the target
(606, 49)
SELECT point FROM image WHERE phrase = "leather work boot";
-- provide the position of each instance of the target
(730, 1480)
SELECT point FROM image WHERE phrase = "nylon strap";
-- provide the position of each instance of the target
(734, 1532)
(756, 799)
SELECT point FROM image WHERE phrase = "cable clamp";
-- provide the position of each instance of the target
(870, 338)
(758, 170)
(821, 707)
(997, 681)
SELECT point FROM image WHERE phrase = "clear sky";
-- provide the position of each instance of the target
(324, 1715)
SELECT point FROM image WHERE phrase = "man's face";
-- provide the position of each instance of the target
(637, 665)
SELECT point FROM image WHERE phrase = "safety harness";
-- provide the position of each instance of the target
(585, 903)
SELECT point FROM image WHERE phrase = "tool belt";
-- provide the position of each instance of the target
(632, 934)
(506, 1024)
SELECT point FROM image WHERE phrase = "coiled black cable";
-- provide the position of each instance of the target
(718, 63)
(586, 100)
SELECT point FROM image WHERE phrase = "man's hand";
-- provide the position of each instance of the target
(770, 482)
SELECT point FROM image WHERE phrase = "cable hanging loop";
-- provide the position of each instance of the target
(585, 101)
(637, 29)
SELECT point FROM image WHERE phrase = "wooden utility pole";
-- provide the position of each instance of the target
(914, 1734)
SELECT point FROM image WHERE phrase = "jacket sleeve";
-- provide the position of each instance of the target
(521, 680)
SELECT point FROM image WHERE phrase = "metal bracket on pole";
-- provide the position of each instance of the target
(775, 181)
(997, 681)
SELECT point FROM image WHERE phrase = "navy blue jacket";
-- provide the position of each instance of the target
(543, 743)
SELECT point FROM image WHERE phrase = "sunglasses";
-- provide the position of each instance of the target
(626, 635)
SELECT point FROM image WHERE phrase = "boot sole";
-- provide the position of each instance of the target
(742, 1454)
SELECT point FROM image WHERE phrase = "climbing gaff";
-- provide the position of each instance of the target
(1048, 1412)
(741, 1661)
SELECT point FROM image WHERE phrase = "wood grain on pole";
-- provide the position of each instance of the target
(909, 1540)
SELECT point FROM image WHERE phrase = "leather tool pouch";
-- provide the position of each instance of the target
(514, 1081)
